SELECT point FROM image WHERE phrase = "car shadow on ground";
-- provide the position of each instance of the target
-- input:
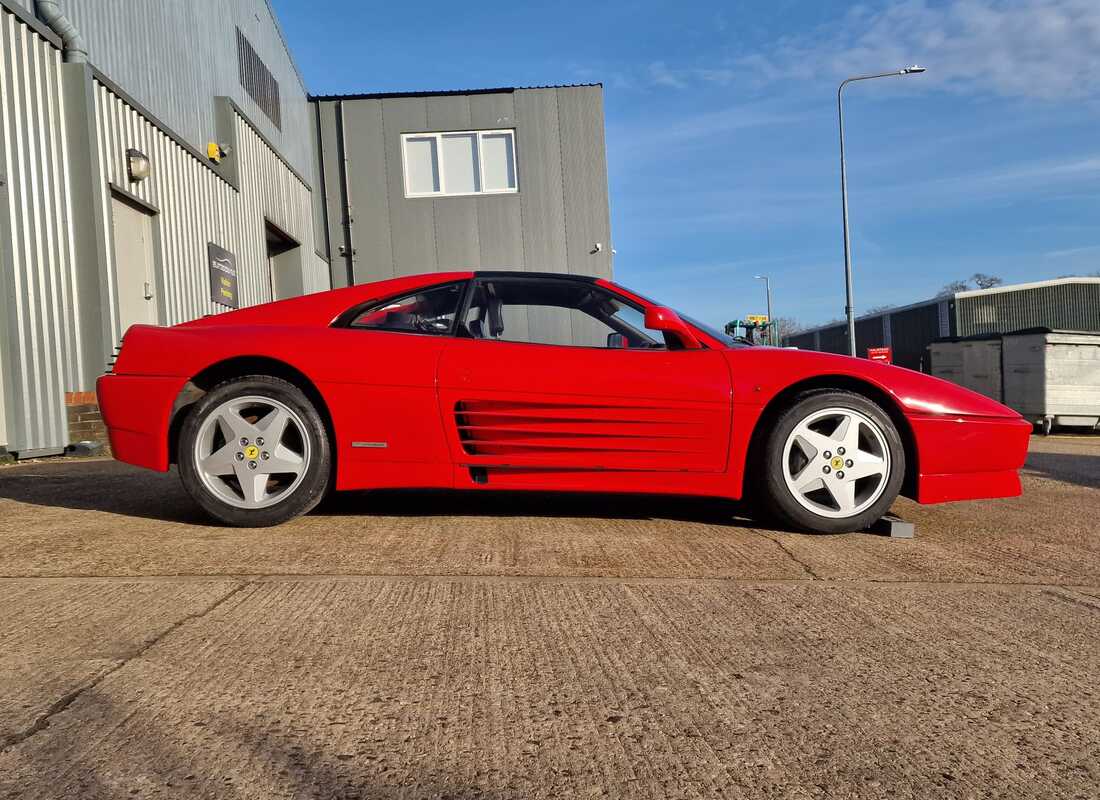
(100, 485)
(1082, 469)
(114, 488)
(489, 503)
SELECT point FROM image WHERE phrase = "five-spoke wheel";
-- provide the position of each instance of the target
(836, 462)
(251, 451)
(254, 451)
(833, 462)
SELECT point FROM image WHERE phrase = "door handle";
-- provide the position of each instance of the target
(148, 291)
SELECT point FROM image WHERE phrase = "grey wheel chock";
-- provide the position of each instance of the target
(894, 527)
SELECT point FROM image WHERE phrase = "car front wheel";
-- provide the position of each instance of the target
(254, 452)
(833, 462)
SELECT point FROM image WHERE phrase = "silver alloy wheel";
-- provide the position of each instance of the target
(251, 452)
(836, 462)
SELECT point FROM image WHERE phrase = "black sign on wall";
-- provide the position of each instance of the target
(223, 276)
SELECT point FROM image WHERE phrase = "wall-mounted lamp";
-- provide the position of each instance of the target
(137, 164)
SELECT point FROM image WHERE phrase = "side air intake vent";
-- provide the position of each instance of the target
(504, 428)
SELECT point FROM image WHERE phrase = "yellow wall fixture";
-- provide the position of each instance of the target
(216, 152)
(137, 165)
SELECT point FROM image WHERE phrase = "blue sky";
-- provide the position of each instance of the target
(722, 139)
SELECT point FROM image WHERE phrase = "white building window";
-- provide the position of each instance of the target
(456, 163)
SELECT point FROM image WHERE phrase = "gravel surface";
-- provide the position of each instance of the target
(442, 645)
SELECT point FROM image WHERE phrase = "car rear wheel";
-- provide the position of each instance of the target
(254, 452)
(833, 462)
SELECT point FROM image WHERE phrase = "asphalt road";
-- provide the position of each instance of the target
(442, 645)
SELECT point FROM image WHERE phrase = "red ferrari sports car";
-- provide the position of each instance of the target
(520, 380)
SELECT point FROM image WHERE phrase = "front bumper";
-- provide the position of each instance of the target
(137, 410)
(969, 458)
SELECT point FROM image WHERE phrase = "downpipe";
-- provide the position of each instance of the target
(75, 49)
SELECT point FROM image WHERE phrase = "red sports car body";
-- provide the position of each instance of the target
(441, 381)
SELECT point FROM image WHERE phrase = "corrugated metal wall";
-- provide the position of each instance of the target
(906, 330)
(196, 206)
(175, 57)
(551, 224)
(1072, 305)
(910, 332)
(38, 330)
(803, 341)
(869, 333)
(1062, 304)
(833, 340)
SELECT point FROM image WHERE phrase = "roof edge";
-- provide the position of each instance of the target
(1012, 287)
(446, 92)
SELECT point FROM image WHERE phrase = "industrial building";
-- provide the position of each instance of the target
(511, 178)
(1071, 304)
(164, 161)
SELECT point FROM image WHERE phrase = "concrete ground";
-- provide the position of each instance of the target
(442, 645)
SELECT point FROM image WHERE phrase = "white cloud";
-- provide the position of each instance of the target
(661, 75)
(1072, 251)
(1047, 49)
(1026, 179)
(631, 141)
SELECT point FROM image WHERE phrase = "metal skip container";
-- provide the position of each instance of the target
(1053, 378)
(973, 363)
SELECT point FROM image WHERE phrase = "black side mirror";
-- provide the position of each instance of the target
(617, 341)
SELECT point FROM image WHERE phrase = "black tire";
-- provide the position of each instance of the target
(317, 473)
(777, 500)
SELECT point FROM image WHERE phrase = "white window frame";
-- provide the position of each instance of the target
(438, 136)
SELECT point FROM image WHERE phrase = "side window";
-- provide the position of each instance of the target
(558, 312)
(430, 311)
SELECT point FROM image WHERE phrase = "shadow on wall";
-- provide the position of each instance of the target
(114, 488)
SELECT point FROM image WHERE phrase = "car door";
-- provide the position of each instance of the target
(381, 389)
(538, 383)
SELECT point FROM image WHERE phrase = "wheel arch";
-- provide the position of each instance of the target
(238, 367)
(785, 397)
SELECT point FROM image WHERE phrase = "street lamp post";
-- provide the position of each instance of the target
(771, 323)
(849, 308)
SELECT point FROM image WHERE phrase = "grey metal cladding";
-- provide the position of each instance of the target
(541, 196)
(317, 181)
(457, 224)
(584, 173)
(412, 220)
(196, 207)
(193, 45)
(551, 224)
(257, 80)
(330, 206)
(370, 200)
(499, 216)
(1066, 305)
(39, 349)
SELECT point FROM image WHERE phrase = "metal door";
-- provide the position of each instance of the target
(133, 238)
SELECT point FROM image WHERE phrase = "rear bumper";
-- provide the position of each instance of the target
(137, 410)
(969, 458)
